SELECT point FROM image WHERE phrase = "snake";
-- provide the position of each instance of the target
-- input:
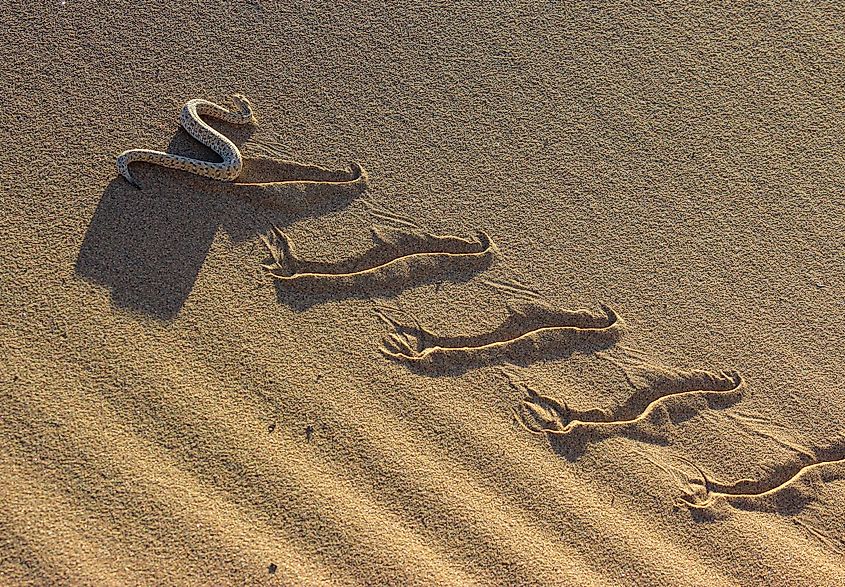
(228, 170)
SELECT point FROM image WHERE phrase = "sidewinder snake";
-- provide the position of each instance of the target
(228, 170)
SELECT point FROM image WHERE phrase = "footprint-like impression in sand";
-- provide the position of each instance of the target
(661, 397)
(786, 489)
(398, 259)
(530, 334)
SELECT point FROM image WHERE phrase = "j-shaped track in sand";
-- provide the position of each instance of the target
(667, 397)
(787, 487)
(527, 336)
(397, 260)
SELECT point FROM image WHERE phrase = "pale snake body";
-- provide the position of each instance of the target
(228, 170)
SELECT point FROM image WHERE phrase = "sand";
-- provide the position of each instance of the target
(579, 323)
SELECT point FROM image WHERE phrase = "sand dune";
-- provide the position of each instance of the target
(526, 295)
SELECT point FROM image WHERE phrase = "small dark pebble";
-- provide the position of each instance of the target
(272, 569)
(309, 432)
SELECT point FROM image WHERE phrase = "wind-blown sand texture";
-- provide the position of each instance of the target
(632, 375)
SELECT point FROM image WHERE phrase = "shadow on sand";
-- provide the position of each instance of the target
(148, 245)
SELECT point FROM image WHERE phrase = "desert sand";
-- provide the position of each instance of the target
(544, 294)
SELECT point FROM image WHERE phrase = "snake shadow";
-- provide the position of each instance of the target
(148, 246)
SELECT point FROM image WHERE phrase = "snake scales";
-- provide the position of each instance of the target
(227, 170)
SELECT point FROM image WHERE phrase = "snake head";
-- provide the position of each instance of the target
(243, 104)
